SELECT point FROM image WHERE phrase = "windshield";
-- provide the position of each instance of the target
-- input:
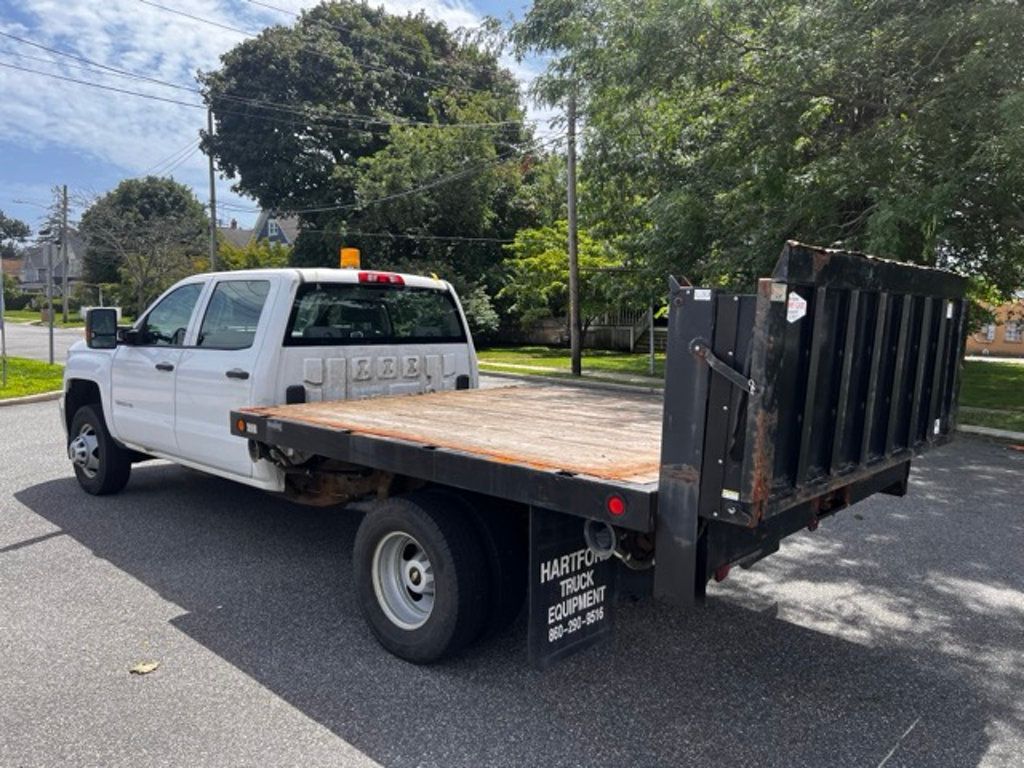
(326, 314)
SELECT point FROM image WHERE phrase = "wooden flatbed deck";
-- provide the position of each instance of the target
(607, 435)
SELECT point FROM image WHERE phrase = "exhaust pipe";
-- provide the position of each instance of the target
(601, 538)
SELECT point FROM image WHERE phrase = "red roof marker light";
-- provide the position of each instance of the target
(381, 278)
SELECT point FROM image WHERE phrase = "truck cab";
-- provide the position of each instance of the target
(166, 386)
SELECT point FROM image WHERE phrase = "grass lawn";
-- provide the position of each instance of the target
(32, 316)
(30, 377)
(992, 395)
(595, 361)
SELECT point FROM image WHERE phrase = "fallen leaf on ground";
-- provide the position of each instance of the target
(144, 667)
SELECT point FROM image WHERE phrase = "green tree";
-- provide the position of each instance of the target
(145, 234)
(298, 107)
(717, 130)
(538, 284)
(261, 254)
(12, 232)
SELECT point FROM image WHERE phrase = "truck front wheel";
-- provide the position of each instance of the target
(420, 577)
(101, 465)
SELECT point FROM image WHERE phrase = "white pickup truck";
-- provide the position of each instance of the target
(216, 342)
(780, 408)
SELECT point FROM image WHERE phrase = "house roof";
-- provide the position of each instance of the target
(289, 225)
(12, 266)
(237, 236)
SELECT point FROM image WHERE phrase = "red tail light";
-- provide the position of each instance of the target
(616, 505)
(381, 278)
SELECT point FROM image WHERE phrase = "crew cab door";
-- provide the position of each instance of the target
(216, 374)
(142, 374)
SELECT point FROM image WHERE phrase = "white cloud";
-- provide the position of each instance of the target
(130, 133)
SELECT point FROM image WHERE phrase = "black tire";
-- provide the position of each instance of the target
(503, 530)
(449, 539)
(112, 465)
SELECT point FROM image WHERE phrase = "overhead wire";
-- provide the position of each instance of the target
(342, 119)
(316, 51)
(473, 167)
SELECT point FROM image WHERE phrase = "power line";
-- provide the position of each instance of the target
(428, 185)
(346, 117)
(316, 51)
(194, 144)
(349, 30)
(307, 122)
(408, 236)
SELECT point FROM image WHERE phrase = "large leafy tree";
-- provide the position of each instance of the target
(145, 234)
(299, 108)
(716, 129)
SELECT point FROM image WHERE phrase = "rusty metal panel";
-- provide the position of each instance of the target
(857, 361)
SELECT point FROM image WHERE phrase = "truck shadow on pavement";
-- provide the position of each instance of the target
(264, 584)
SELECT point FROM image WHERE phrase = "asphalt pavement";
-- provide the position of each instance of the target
(892, 636)
(33, 341)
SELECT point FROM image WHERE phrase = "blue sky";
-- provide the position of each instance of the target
(55, 132)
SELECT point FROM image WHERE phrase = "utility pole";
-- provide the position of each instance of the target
(3, 326)
(213, 198)
(64, 250)
(575, 341)
(49, 292)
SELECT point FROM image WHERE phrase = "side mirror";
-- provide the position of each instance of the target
(128, 336)
(101, 328)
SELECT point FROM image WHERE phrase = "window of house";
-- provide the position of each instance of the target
(988, 332)
(272, 229)
(1013, 332)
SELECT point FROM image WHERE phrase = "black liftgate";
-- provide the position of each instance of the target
(788, 405)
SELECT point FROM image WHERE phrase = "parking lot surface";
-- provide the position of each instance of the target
(892, 636)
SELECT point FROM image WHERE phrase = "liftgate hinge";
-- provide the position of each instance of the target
(702, 349)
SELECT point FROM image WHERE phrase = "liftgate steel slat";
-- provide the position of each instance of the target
(841, 376)
(895, 398)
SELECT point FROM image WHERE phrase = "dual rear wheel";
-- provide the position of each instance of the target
(433, 574)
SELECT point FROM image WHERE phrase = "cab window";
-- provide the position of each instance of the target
(167, 322)
(233, 314)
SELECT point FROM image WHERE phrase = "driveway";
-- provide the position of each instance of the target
(892, 636)
(32, 341)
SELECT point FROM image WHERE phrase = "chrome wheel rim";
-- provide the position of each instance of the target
(84, 450)
(403, 580)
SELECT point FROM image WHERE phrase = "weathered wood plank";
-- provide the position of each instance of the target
(600, 433)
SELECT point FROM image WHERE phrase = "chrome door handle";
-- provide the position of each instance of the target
(164, 367)
(237, 373)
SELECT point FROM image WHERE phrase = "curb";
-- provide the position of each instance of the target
(570, 382)
(40, 398)
(1002, 434)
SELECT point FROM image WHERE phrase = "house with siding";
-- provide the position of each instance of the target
(269, 226)
(37, 259)
(1004, 337)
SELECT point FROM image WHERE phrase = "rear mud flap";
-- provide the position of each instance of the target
(572, 593)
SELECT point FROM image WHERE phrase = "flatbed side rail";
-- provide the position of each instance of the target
(560, 491)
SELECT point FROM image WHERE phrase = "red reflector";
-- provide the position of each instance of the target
(381, 278)
(722, 572)
(616, 506)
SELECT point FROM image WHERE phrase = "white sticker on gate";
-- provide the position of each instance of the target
(796, 307)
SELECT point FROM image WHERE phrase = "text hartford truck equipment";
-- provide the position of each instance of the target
(779, 409)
